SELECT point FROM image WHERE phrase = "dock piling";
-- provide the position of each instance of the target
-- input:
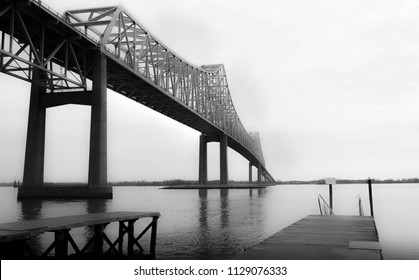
(370, 197)
(331, 196)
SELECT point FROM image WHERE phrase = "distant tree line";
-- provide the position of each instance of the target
(173, 182)
(153, 183)
(349, 181)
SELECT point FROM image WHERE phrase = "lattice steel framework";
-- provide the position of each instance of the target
(59, 46)
(24, 48)
(204, 89)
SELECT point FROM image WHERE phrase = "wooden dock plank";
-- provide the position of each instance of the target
(366, 245)
(14, 234)
(68, 222)
(321, 237)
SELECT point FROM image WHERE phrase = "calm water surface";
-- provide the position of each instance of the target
(218, 224)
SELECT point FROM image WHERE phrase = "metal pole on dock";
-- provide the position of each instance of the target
(370, 197)
(331, 196)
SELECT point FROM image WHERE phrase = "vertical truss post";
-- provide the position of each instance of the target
(2, 47)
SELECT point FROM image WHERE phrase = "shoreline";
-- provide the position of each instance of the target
(209, 186)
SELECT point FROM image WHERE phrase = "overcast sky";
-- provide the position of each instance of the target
(332, 87)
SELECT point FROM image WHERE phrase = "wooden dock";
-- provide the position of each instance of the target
(321, 238)
(14, 236)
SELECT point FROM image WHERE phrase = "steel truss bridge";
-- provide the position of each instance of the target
(74, 58)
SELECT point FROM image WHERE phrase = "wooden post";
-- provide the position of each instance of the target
(331, 196)
(153, 237)
(131, 237)
(370, 197)
(61, 244)
(121, 236)
(98, 242)
(320, 206)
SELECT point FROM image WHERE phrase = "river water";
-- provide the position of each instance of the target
(218, 224)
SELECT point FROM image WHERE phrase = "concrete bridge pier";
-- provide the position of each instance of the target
(203, 168)
(98, 131)
(33, 173)
(33, 177)
(259, 173)
(250, 172)
(223, 160)
(203, 160)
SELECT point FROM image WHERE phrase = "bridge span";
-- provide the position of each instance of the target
(74, 58)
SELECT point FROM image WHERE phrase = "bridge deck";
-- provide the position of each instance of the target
(14, 234)
(321, 237)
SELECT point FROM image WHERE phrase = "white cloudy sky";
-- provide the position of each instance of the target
(332, 87)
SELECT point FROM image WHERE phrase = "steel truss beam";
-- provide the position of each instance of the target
(203, 89)
(25, 48)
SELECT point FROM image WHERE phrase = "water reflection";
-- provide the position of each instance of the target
(204, 234)
(259, 191)
(224, 210)
(92, 206)
(96, 205)
(31, 209)
(221, 230)
(213, 229)
(203, 209)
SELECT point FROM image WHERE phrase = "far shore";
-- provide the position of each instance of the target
(184, 184)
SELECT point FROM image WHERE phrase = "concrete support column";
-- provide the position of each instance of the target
(223, 160)
(250, 172)
(33, 173)
(203, 161)
(98, 134)
(259, 173)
